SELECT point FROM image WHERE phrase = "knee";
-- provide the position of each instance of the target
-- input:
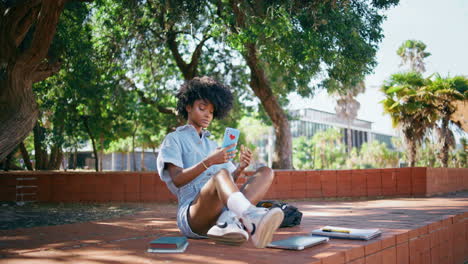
(222, 175)
(266, 172)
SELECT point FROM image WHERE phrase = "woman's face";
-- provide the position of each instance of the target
(200, 114)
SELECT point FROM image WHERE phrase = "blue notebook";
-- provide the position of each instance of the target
(168, 245)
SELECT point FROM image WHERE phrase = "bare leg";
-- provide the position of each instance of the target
(207, 206)
(258, 184)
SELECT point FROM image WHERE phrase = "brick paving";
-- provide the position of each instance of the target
(415, 230)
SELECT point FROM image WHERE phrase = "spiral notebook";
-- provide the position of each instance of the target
(348, 233)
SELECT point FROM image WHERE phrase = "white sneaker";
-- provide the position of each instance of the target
(262, 223)
(228, 230)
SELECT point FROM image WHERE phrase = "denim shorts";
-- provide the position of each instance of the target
(187, 195)
(183, 222)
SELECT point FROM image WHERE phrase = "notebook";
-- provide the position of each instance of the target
(168, 245)
(298, 242)
(348, 233)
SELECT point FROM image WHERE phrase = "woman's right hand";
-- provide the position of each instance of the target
(221, 155)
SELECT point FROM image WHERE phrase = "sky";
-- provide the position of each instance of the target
(441, 25)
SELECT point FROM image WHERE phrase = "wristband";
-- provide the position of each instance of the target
(204, 164)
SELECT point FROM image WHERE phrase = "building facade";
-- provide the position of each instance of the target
(307, 122)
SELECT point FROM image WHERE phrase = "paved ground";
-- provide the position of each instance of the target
(14, 215)
(124, 240)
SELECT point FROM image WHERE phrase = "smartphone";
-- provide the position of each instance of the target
(231, 136)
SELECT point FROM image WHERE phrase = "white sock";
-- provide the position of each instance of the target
(237, 203)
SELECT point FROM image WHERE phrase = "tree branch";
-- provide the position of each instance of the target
(45, 70)
(240, 16)
(44, 32)
(174, 48)
(197, 53)
(161, 109)
(10, 15)
(146, 100)
(23, 25)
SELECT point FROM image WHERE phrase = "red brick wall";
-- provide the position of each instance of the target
(442, 180)
(147, 186)
(444, 241)
(87, 187)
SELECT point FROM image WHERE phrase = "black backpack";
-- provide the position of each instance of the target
(292, 216)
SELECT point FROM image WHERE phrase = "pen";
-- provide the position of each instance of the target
(335, 230)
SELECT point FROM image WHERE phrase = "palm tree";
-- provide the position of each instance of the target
(407, 110)
(443, 94)
(412, 52)
(347, 106)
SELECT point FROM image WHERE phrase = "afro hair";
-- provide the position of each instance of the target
(205, 88)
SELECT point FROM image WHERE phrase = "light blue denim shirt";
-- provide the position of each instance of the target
(184, 148)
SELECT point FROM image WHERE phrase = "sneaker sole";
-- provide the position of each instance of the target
(233, 239)
(267, 227)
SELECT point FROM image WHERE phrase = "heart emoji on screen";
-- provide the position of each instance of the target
(232, 137)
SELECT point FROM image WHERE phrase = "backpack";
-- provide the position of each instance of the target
(292, 216)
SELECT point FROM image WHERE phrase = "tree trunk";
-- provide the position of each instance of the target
(40, 155)
(412, 153)
(18, 109)
(113, 161)
(444, 152)
(26, 158)
(65, 161)
(128, 162)
(54, 153)
(142, 161)
(282, 158)
(56, 157)
(93, 141)
(75, 157)
(101, 151)
(134, 166)
(155, 153)
(8, 160)
(23, 61)
(349, 140)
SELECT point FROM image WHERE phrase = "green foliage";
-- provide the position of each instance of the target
(252, 130)
(64, 96)
(326, 151)
(304, 153)
(460, 157)
(329, 152)
(298, 40)
(417, 104)
(427, 154)
(407, 108)
(123, 61)
(373, 155)
(84, 99)
(412, 52)
(155, 42)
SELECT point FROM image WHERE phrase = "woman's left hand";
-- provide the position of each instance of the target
(245, 157)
